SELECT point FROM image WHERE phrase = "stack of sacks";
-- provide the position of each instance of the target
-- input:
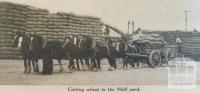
(56, 26)
(151, 39)
(195, 38)
(16, 17)
(12, 19)
(36, 20)
(81, 24)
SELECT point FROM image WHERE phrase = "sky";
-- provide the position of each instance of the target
(146, 14)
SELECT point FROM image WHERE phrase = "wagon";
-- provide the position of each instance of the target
(154, 54)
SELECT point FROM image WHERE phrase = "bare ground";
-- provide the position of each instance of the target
(11, 73)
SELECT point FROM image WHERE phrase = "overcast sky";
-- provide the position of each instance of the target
(147, 14)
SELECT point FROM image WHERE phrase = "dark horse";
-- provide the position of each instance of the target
(73, 51)
(122, 48)
(97, 51)
(76, 53)
(22, 42)
(49, 50)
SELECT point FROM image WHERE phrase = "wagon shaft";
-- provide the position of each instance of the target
(137, 55)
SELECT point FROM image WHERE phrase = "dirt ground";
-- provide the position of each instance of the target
(11, 73)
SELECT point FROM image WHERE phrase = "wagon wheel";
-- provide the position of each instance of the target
(169, 54)
(154, 59)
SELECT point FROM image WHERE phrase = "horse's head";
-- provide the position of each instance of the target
(18, 39)
(86, 42)
(121, 46)
(36, 42)
(67, 40)
(75, 39)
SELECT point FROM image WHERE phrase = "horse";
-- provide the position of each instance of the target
(77, 54)
(22, 42)
(36, 43)
(86, 50)
(122, 48)
(97, 51)
(49, 50)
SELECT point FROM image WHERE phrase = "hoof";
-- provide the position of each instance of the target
(111, 69)
(78, 69)
(25, 71)
(95, 70)
(61, 71)
(70, 72)
(99, 69)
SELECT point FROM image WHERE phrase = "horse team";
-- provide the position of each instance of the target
(75, 48)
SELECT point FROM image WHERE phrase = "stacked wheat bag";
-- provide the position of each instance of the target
(12, 19)
(190, 41)
(51, 26)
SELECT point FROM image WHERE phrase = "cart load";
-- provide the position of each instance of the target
(149, 48)
(152, 49)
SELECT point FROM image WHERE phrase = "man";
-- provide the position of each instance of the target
(178, 45)
(107, 31)
(136, 35)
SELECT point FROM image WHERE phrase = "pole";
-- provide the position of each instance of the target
(128, 26)
(133, 27)
(186, 19)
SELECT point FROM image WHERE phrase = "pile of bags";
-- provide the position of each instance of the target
(12, 19)
(52, 26)
(148, 39)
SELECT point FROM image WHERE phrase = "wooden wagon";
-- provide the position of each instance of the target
(154, 54)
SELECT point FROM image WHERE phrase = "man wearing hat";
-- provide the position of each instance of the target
(136, 35)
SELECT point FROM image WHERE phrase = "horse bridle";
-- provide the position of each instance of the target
(66, 42)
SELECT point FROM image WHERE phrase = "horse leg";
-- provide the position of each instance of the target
(94, 65)
(125, 62)
(33, 64)
(73, 64)
(25, 65)
(138, 64)
(59, 62)
(77, 64)
(133, 61)
(29, 66)
(87, 63)
(99, 63)
(110, 63)
(114, 63)
(91, 63)
(81, 60)
(36, 64)
(70, 66)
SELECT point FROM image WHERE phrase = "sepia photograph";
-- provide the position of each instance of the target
(100, 43)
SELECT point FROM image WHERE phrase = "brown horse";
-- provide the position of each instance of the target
(49, 50)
